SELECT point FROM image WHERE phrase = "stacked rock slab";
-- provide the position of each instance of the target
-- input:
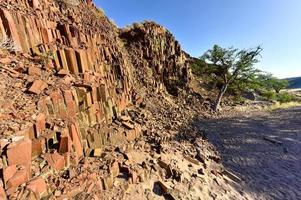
(79, 41)
(78, 44)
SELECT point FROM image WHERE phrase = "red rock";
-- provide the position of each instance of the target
(2, 194)
(99, 185)
(38, 186)
(71, 58)
(40, 124)
(59, 104)
(9, 172)
(115, 169)
(56, 100)
(55, 160)
(63, 72)
(38, 147)
(67, 158)
(76, 141)
(20, 177)
(123, 102)
(62, 59)
(19, 152)
(65, 144)
(125, 118)
(35, 4)
(30, 131)
(34, 71)
(103, 92)
(128, 125)
(9, 23)
(42, 104)
(70, 103)
(45, 35)
(37, 87)
(82, 57)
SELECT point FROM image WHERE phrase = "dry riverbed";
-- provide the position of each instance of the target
(264, 149)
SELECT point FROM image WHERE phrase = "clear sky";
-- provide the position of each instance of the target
(199, 24)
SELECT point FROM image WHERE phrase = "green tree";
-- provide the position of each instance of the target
(233, 65)
(269, 82)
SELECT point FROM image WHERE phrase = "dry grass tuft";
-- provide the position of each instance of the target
(70, 2)
(8, 44)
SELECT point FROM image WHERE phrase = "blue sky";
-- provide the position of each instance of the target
(199, 24)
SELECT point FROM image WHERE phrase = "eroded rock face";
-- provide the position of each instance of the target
(156, 56)
(73, 75)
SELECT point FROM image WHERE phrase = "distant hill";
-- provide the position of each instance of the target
(294, 82)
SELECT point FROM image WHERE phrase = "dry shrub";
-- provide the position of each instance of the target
(8, 44)
(70, 2)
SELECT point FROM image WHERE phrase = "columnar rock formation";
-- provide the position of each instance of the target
(71, 77)
(156, 55)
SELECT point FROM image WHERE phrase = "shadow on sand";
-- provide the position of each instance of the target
(269, 170)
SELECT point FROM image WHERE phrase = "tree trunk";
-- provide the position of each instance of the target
(220, 96)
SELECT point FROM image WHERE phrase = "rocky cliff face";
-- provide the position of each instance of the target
(156, 55)
(74, 74)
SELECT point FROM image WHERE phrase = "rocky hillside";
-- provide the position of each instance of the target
(294, 83)
(157, 57)
(87, 109)
(66, 75)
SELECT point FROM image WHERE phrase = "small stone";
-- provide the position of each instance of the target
(34, 71)
(115, 169)
(37, 87)
(125, 118)
(232, 176)
(57, 193)
(194, 161)
(97, 152)
(63, 72)
(128, 125)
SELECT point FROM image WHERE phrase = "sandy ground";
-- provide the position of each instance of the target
(270, 170)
